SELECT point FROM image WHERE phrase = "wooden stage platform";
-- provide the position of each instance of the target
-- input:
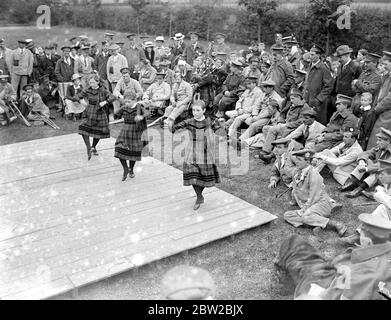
(66, 222)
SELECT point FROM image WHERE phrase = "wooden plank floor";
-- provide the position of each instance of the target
(66, 222)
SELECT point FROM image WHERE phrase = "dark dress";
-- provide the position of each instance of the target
(133, 136)
(366, 121)
(96, 123)
(199, 166)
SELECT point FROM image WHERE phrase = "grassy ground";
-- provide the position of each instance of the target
(242, 268)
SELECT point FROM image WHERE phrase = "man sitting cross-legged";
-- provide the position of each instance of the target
(267, 111)
(341, 160)
(309, 192)
(294, 118)
(341, 119)
(247, 107)
(156, 95)
(181, 95)
(365, 175)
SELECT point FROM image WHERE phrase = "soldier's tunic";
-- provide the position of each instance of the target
(369, 81)
(231, 84)
(283, 170)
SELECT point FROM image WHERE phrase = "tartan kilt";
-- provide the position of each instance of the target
(131, 141)
(204, 175)
(96, 123)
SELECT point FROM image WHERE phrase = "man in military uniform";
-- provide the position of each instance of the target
(228, 96)
(220, 45)
(358, 274)
(134, 54)
(369, 80)
(281, 71)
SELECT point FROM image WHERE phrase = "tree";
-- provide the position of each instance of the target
(323, 15)
(258, 9)
(138, 6)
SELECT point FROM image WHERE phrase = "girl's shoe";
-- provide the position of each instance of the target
(89, 154)
(94, 152)
(131, 174)
(198, 203)
(125, 175)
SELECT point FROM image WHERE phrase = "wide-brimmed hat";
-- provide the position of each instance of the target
(159, 38)
(148, 44)
(342, 50)
(22, 41)
(179, 36)
(237, 63)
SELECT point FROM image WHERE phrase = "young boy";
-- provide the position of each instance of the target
(311, 196)
(366, 119)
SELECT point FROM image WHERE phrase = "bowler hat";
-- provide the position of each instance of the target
(375, 224)
(317, 48)
(187, 283)
(268, 83)
(384, 133)
(342, 50)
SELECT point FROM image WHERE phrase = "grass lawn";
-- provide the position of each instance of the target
(243, 267)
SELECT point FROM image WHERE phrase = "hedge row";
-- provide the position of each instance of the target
(370, 26)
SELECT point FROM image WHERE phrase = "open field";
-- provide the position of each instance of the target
(243, 267)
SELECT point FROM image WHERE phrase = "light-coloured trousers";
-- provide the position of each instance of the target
(18, 81)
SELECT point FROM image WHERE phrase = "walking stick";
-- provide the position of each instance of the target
(365, 204)
(19, 114)
(277, 196)
(155, 121)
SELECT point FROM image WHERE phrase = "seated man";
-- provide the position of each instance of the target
(382, 195)
(48, 91)
(169, 75)
(33, 104)
(266, 112)
(341, 119)
(7, 95)
(309, 192)
(283, 169)
(156, 95)
(305, 135)
(228, 95)
(181, 96)
(341, 160)
(185, 69)
(294, 118)
(147, 74)
(247, 107)
(352, 275)
(365, 175)
(253, 69)
(126, 89)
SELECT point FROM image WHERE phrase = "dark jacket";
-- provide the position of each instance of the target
(100, 65)
(150, 56)
(317, 88)
(72, 94)
(282, 74)
(190, 53)
(63, 71)
(338, 123)
(345, 76)
(367, 82)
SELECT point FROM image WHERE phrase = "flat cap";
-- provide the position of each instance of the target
(296, 92)
(130, 35)
(237, 63)
(342, 50)
(187, 283)
(114, 46)
(268, 83)
(341, 98)
(372, 57)
(317, 48)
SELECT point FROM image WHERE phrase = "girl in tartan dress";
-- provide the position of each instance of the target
(132, 138)
(199, 167)
(96, 123)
